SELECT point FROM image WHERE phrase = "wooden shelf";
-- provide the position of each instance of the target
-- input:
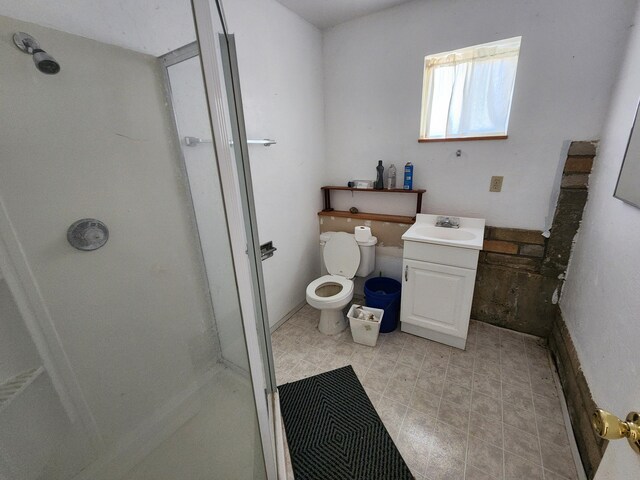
(373, 190)
(380, 217)
(328, 211)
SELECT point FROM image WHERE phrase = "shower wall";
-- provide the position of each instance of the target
(17, 352)
(134, 318)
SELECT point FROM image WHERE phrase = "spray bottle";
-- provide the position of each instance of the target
(408, 176)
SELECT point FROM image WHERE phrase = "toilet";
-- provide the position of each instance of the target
(342, 259)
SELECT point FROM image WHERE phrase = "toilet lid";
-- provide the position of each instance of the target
(342, 255)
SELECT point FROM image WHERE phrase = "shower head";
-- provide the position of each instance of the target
(44, 62)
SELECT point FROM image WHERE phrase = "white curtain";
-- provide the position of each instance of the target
(468, 92)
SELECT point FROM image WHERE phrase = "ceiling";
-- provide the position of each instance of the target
(149, 26)
(158, 26)
(329, 13)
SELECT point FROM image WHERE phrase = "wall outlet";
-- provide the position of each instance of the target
(496, 184)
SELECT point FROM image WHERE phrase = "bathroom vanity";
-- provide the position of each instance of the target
(439, 271)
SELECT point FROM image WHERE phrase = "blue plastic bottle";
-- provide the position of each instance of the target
(408, 176)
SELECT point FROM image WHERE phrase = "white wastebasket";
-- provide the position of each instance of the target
(365, 332)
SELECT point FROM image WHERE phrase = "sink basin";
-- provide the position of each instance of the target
(444, 233)
(469, 235)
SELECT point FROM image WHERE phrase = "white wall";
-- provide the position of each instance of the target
(280, 63)
(600, 302)
(373, 84)
(96, 141)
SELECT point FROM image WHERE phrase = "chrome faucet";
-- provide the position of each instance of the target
(447, 222)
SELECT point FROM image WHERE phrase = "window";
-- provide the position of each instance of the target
(466, 93)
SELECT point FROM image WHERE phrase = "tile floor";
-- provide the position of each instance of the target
(490, 412)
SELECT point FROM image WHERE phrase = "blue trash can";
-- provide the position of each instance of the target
(384, 293)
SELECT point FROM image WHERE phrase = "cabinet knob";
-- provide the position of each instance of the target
(406, 273)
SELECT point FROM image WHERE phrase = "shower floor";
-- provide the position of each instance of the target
(212, 444)
(490, 412)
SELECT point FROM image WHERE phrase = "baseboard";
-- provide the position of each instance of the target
(291, 313)
(136, 445)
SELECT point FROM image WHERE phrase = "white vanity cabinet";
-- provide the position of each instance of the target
(437, 289)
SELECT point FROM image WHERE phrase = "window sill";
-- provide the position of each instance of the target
(462, 139)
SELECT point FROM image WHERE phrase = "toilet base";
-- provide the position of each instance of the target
(332, 321)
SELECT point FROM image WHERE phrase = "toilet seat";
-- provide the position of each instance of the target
(341, 255)
(338, 300)
(331, 293)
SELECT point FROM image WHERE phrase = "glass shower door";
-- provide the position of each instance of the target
(188, 98)
(143, 358)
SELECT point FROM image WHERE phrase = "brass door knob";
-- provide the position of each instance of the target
(610, 427)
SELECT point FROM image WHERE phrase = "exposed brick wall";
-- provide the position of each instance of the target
(520, 272)
(569, 209)
(566, 222)
(510, 247)
(510, 291)
(578, 395)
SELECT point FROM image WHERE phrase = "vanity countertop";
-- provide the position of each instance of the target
(470, 234)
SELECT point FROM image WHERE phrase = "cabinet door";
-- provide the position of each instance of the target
(437, 297)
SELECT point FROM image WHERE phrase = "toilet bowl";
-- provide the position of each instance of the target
(332, 292)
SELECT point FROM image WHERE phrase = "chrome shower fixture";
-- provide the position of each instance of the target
(44, 62)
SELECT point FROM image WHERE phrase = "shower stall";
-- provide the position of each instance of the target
(134, 341)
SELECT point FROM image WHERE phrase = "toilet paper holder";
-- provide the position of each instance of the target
(267, 250)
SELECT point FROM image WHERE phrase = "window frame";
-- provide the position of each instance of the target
(508, 47)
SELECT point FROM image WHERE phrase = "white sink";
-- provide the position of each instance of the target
(444, 233)
(469, 235)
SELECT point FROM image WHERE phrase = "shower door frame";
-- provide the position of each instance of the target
(235, 179)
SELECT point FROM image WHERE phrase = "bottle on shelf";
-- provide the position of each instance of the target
(379, 185)
(391, 178)
(408, 176)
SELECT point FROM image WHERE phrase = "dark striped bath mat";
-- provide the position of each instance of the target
(334, 432)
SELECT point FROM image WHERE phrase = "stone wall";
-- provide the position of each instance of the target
(578, 396)
(569, 209)
(520, 272)
(510, 291)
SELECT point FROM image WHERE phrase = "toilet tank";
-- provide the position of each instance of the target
(367, 254)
